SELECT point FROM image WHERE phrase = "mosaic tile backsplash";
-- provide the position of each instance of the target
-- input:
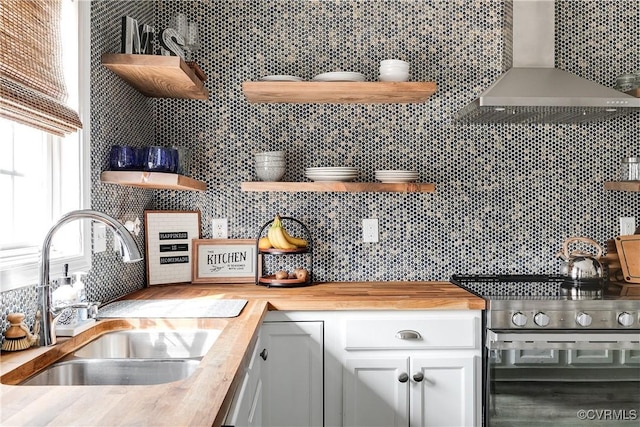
(506, 195)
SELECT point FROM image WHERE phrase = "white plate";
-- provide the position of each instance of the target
(281, 78)
(396, 180)
(340, 76)
(325, 169)
(332, 178)
(396, 176)
(329, 170)
(331, 173)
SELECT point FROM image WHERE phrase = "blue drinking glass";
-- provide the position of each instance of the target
(123, 158)
(157, 159)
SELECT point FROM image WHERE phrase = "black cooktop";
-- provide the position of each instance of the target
(507, 285)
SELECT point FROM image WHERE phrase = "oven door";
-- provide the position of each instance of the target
(562, 378)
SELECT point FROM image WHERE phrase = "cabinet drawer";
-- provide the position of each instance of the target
(438, 331)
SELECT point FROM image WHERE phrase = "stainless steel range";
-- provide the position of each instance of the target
(556, 354)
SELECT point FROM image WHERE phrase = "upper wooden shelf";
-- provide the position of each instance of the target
(155, 180)
(338, 92)
(335, 186)
(157, 76)
(622, 185)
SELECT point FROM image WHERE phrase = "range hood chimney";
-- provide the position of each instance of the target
(532, 90)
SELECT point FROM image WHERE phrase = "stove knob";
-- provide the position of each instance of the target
(583, 319)
(519, 319)
(541, 319)
(625, 319)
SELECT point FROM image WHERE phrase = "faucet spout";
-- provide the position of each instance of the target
(130, 253)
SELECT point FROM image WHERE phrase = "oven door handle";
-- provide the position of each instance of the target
(505, 340)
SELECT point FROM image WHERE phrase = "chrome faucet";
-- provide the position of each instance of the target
(130, 253)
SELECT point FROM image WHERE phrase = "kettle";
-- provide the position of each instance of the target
(583, 268)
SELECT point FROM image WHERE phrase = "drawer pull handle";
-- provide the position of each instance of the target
(418, 377)
(408, 334)
(264, 354)
(403, 377)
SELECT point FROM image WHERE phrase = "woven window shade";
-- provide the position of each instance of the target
(32, 89)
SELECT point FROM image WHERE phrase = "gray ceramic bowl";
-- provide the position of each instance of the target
(270, 173)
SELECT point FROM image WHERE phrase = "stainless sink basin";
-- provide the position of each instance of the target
(131, 357)
(114, 372)
(150, 344)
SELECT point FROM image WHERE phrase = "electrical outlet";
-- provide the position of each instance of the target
(370, 230)
(99, 237)
(627, 226)
(219, 228)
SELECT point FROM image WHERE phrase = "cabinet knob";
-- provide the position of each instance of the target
(418, 377)
(403, 377)
(408, 334)
(264, 354)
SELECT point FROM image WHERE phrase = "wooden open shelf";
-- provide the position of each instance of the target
(335, 186)
(155, 180)
(338, 92)
(157, 76)
(622, 185)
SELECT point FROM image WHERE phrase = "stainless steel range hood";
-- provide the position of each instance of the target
(532, 90)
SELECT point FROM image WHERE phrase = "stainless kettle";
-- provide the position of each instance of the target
(582, 267)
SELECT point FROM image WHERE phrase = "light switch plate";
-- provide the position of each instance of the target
(627, 226)
(219, 228)
(370, 230)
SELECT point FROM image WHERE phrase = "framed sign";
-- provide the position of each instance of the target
(168, 236)
(224, 261)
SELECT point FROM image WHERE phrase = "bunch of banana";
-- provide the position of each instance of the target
(278, 238)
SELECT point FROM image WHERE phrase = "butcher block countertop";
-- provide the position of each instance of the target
(204, 398)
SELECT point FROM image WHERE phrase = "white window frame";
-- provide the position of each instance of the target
(26, 273)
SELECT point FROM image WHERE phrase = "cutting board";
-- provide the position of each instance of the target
(629, 253)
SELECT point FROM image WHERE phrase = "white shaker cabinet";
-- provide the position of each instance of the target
(419, 369)
(246, 408)
(292, 374)
(374, 394)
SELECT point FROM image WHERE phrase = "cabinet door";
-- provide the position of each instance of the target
(292, 388)
(443, 391)
(375, 392)
(246, 408)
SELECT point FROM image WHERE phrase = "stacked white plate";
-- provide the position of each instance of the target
(340, 76)
(390, 176)
(331, 174)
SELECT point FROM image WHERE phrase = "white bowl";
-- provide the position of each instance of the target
(269, 158)
(270, 173)
(270, 154)
(392, 69)
(271, 162)
(394, 77)
(394, 62)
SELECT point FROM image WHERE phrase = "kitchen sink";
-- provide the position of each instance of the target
(114, 372)
(150, 344)
(131, 357)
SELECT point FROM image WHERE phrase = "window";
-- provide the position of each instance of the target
(43, 176)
